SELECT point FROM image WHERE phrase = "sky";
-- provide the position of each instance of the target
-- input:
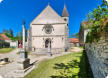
(13, 12)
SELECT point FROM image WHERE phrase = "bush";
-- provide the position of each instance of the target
(4, 44)
(98, 23)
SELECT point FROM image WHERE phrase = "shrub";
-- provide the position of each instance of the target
(4, 44)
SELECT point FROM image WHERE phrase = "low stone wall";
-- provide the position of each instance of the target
(98, 58)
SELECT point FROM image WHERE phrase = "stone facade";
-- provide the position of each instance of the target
(49, 28)
(98, 58)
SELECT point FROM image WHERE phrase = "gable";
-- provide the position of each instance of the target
(48, 16)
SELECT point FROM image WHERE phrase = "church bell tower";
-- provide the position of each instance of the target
(65, 17)
(65, 14)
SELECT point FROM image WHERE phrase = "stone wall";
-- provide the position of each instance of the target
(98, 58)
(54, 50)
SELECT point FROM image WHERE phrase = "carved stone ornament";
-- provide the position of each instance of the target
(48, 28)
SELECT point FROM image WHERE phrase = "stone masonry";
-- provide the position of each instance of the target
(98, 58)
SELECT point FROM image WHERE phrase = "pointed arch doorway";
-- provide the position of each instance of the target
(47, 43)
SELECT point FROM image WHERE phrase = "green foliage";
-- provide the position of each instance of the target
(4, 44)
(89, 16)
(18, 35)
(9, 33)
(76, 35)
(97, 22)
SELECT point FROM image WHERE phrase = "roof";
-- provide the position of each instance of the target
(65, 12)
(3, 37)
(74, 40)
(48, 16)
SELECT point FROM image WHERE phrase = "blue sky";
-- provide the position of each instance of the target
(13, 12)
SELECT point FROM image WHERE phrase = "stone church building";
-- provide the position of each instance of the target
(49, 28)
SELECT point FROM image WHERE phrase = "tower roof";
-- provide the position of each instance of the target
(65, 12)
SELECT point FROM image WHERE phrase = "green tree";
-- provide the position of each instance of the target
(89, 17)
(98, 22)
(11, 32)
(76, 35)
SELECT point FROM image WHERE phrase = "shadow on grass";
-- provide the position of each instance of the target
(69, 70)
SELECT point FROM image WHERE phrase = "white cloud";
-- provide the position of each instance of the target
(1, 1)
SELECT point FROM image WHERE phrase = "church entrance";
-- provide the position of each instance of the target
(48, 43)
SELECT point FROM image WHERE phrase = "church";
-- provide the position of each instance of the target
(49, 29)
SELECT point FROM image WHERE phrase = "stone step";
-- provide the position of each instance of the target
(39, 54)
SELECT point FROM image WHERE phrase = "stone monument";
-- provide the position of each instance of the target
(24, 60)
(49, 50)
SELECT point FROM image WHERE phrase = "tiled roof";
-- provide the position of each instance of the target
(74, 40)
(3, 37)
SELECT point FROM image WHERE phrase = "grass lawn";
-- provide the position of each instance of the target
(68, 66)
(6, 50)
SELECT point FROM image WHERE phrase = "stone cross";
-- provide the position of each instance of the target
(24, 61)
(23, 34)
(23, 53)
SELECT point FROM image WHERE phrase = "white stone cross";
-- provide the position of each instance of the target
(23, 33)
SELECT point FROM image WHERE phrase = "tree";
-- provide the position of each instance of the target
(76, 35)
(8, 33)
(11, 32)
(99, 22)
(5, 31)
(89, 17)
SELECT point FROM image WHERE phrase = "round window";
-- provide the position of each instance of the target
(48, 29)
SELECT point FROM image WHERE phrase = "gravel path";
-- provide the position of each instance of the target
(13, 56)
